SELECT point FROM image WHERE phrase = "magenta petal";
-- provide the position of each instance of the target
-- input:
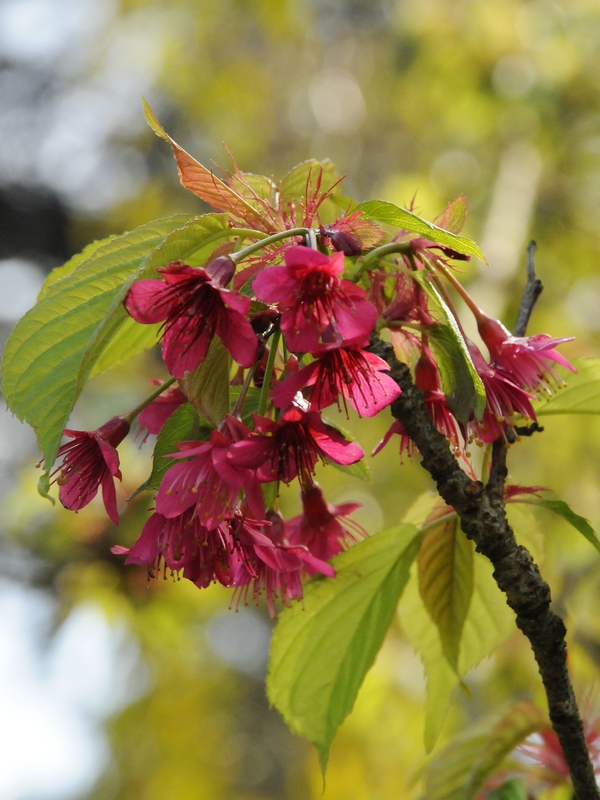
(273, 285)
(182, 354)
(284, 393)
(175, 493)
(143, 302)
(356, 320)
(301, 258)
(109, 497)
(370, 396)
(239, 338)
(337, 448)
(146, 550)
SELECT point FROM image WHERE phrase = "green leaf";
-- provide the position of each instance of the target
(58, 273)
(207, 388)
(459, 771)
(360, 469)
(391, 214)
(322, 649)
(445, 564)
(251, 402)
(582, 393)
(182, 426)
(563, 510)
(54, 347)
(304, 178)
(488, 623)
(130, 340)
(254, 188)
(515, 789)
(460, 381)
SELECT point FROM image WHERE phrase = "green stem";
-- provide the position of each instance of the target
(138, 409)
(266, 387)
(375, 255)
(460, 289)
(236, 412)
(266, 241)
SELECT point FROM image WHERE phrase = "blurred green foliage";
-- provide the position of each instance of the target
(426, 99)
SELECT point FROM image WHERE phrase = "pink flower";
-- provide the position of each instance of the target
(154, 416)
(91, 461)
(194, 305)
(207, 481)
(182, 543)
(503, 400)
(318, 528)
(313, 299)
(525, 360)
(267, 562)
(355, 374)
(291, 447)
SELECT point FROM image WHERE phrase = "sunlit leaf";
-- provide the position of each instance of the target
(488, 623)
(303, 179)
(391, 214)
(445, 565)
(257, 190)
(202, 182)
(453, 217)
(460, 381)
(130, 340)
(54, 347)
(58, 273)
(563, 510)
(581, 394)
(459, 771)
(322, 649)
(207, 388)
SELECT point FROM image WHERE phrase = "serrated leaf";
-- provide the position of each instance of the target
(193, 238)
(454, 216)
(182, 426)
(460, 770)
(445, 565)
(563, 510)
(488, 623)
(391, 214)
(303, 179)
(202, 182)
(582, 393)
(58, 273)
(254, 189)
(322, 649)
(207, 387)
(460, 381)
(54, 347)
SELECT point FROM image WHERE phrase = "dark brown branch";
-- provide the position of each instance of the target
(481, 511)
(533, 290)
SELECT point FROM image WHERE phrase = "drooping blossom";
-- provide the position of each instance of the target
(183, 545)
(313, 299)
(154, 416)
(504, 400)
(205, 479)
(265, 562)
(194, 305)
(358, 376)
(289, 448)
(526, 360)
(318, 527)
(89, 462)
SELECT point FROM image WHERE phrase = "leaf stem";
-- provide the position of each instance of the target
(139, 408)
(266, 387)
(266, 241)
(377, 253)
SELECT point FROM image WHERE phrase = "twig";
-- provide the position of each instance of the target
(533, 290)
(481, 512)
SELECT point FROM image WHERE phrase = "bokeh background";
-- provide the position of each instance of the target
(113, 690)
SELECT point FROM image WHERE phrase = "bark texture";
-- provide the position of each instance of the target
(481, 511)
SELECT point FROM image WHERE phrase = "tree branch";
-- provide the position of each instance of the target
(481, 512)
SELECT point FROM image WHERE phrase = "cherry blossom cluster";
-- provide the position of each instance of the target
(296, 312)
